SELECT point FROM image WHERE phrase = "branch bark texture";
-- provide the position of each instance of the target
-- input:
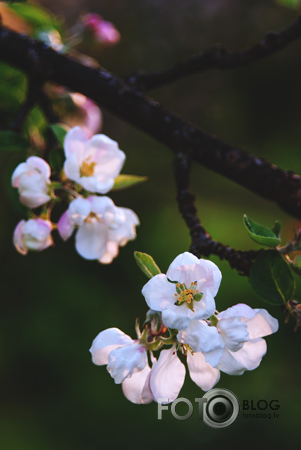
(253, 173)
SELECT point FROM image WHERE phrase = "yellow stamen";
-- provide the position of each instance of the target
(87, 168)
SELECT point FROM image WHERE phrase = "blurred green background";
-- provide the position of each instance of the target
(54, 303)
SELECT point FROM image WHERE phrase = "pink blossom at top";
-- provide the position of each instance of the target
(92, 117)
(103, 32)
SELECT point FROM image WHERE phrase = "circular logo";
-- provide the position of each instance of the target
(221, 409)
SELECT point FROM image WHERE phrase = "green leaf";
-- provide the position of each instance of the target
(35, 15)
(57, 159)
(262, 235)
(13, 142)
(271, 278)
(125, 181)
(276, 228)
(147, 264)
(60, 133)
(289, 3)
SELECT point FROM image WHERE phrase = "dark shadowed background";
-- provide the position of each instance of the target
(54, 303)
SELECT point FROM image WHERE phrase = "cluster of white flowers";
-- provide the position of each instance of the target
(183, 315)
(91, 167)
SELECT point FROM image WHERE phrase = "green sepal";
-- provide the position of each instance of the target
(178, 303)
(125, 181)
(174, 282)
(261, 234)
(198, 297)
(168, 341)
(155, 345)
(147, 264)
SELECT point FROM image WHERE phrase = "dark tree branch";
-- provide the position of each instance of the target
(255, 174)
(202, 243)
(218, 57)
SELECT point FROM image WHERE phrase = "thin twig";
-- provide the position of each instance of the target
(218, 57)
(202, 243)
(254, 173)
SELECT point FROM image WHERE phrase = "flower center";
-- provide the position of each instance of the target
(87, 168)
(92, 217)
(187, 295)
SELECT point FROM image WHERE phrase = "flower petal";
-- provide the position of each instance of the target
(262, 324)
(72, 168)
(202, 373)
(74, 141)
(201, 337)
(107, 154)
(19, 240)
(105, 342)
(126, 360)
(234, 332)
(247, 358)
(91, 240)
(133, 387)
(19, 170)
(79, 209)
(176, 320)
(239, 310)
(167, 376)
(184, 259)
(64, 226)
(205, 307)
(159, 292)
(112, 251)
(43, 167)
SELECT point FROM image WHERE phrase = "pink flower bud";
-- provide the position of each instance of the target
(102, 31)
(33, 234)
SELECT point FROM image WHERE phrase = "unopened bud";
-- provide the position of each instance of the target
(155, 323)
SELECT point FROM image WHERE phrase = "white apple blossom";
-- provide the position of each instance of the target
(234, 344)
(192, 297)
(93, 163)
(243, 353)
(125, 358)
(102, 227)
(33, 234)
(32, 178)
